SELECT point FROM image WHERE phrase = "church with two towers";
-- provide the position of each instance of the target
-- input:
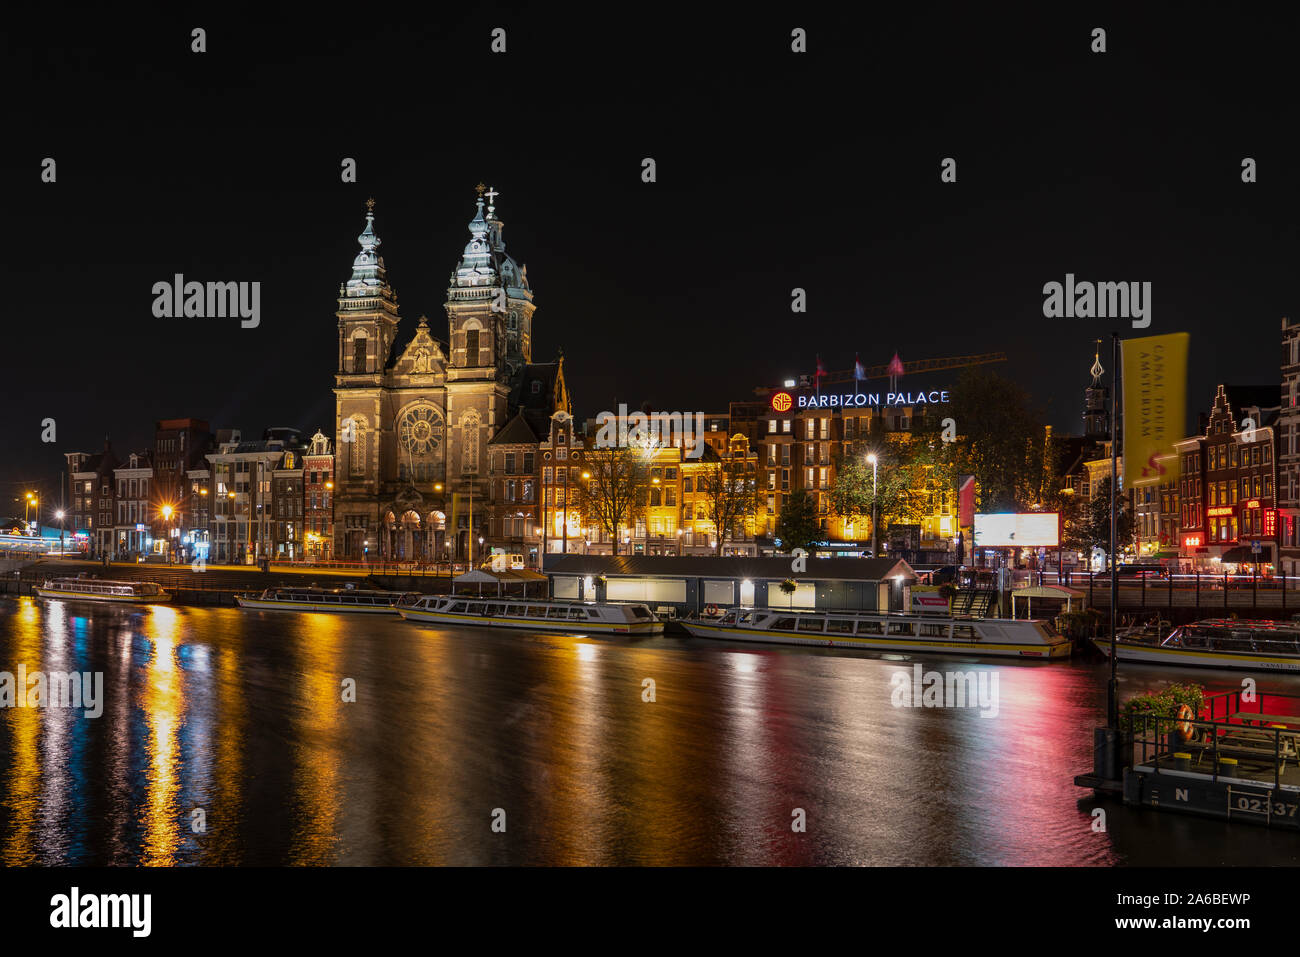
(414, 415)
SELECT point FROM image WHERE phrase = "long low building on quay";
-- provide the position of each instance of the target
(692, 583)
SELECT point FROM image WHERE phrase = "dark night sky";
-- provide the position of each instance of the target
(775, 171)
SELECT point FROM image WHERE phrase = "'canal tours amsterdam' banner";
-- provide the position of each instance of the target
(1155, 407)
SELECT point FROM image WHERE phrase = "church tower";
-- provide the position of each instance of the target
(1096, 403)
(413, 421)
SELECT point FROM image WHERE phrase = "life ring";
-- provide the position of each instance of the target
(1185, 717)
(710, 610)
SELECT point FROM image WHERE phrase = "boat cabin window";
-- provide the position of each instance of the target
(640, 611)
(934, 631)
(901, 628)
(557, 612)
(577, 613)
(812, 624)
(536, 611)
(840, 626)
(783, 624)
(964, 632)
(592, 613)
(459, 606)
(515, 610)
(870, 628)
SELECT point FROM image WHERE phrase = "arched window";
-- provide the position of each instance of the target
(469, 429)
(355, 428)
(359, 352)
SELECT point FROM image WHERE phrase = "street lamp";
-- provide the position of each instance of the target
(873, 460)
(59, 516)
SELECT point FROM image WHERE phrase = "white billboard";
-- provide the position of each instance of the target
(1016, 529)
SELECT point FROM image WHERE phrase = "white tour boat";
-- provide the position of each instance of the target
(536, 614)
(1216, 643)
(353, 600)
(877, 631)
(101, 589)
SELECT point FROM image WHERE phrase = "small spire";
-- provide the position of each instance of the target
(481, 189)
(370, 204)
(1096, 370)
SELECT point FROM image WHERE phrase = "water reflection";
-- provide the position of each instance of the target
(242, 716)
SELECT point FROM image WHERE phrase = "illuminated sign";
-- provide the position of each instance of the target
(1253, 503)
(1270, 521)
(1221, 510)
(782, 401)
(1009, 529)
(840, 400)
(1191, 541)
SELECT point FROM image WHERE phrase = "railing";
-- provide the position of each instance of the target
(1158, 740)
(1188, 590)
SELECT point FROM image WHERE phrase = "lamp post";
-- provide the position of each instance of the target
(59, 516)
(167, 530)
(873, 460)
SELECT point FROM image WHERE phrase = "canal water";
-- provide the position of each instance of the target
(225, 738)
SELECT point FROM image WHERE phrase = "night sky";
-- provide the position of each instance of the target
(775, 171)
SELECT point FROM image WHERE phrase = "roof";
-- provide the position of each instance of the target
(707, 566)
(486, 575)
(1047, 591)
(516, 432)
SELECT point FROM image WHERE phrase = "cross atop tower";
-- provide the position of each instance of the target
(492, 195)
(370, 204)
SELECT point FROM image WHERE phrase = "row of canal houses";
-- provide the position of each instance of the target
(199, 493)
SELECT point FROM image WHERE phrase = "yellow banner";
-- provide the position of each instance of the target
(1154, 380)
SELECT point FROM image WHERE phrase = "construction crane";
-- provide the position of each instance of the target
(895, 368)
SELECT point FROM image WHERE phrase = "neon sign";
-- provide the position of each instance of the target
(1191, 541)
(782, 401)
(1270, 521)
(1222, 510)
(860, 399)
(1253, 503)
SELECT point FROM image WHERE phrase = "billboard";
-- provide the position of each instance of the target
(1012, 529)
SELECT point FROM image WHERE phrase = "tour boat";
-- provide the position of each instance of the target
(880, 631)
(1216, 643)
(536, 615)
(101, 589)
(353, 600)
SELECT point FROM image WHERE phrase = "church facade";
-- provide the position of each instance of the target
(414, 418)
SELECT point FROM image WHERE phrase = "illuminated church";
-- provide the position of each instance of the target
(413, 422)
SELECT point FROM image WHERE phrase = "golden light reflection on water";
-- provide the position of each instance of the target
(23, 786)
(318, 645)
(163, 703)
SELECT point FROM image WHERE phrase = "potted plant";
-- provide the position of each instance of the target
(1174, 702)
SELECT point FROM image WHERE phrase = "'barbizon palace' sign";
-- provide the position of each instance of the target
(784, 401)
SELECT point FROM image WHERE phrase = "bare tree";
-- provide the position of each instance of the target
(611, 497)
(730, 495)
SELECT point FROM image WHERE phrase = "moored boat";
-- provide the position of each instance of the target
(536, 615)
(101, 589)
(350, 600)
(878, 631)
(1216, 643)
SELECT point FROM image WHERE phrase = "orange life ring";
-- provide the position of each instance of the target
(1185, 718)
(710, 610)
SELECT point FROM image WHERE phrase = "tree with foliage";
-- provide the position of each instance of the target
(1003, 441)
(1097, 532)
(910, 476)
(611, 498)
(798, 525)
(730, 494)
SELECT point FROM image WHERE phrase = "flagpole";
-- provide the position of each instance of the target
(1112, 689)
